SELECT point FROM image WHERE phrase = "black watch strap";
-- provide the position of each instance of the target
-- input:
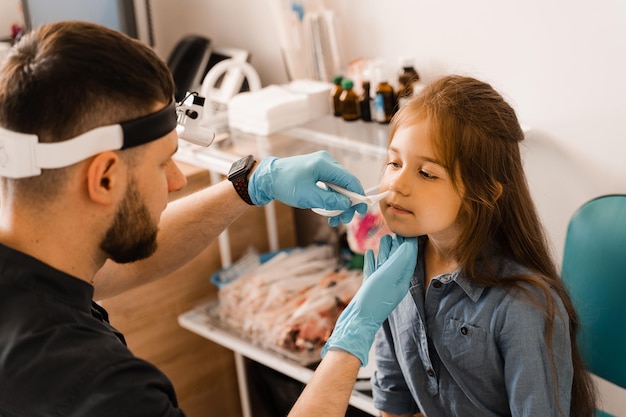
(238, 175)
(241, 186)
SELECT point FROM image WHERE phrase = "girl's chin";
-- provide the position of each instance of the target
(403, 231)
(407, 235)
(400, 225)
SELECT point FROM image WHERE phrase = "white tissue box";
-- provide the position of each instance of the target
(318, 95)
(278, 107)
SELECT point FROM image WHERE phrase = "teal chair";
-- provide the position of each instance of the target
(594, 269)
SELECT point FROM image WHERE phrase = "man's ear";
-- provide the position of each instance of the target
(104, 175)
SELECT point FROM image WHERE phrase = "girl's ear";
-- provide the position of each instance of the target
(103, 176)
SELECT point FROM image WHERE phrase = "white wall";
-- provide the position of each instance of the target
(561, 63)
(10, 13)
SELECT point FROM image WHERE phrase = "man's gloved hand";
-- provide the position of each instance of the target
(385, 283)
(292, 181)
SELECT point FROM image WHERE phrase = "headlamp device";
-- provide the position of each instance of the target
(21, 154)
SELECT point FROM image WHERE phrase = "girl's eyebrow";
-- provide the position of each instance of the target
(420, 157)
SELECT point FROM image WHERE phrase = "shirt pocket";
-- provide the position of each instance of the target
(465, 344)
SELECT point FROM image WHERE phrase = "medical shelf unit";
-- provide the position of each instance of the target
(359, 146)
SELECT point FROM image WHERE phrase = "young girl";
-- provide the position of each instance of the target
(488, 328)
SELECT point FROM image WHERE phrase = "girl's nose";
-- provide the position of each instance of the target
(397, 182)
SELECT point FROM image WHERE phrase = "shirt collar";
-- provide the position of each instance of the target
(18, 268)
(473, 291)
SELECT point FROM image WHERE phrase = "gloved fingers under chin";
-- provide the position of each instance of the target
(369, 264)
(395, 243)
(405, 251)
(404, 260)
(411, 243)
(384, 247)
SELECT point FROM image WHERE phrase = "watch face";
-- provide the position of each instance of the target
(238, 166)
(241, 166)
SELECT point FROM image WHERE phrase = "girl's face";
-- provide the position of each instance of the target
(422, 199)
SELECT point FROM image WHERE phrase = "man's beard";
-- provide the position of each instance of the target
(133, 235)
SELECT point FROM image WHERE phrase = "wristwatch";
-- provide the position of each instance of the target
(238, 175)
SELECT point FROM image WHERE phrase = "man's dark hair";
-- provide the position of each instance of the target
(63, 79)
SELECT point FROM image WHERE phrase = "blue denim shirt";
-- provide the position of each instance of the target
(471, 351)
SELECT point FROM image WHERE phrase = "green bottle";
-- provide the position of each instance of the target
(349, 101)
(335, 94)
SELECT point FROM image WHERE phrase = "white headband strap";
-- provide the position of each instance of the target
(21, 154)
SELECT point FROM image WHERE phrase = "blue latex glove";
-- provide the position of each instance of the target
(385, 283)
(292, 181)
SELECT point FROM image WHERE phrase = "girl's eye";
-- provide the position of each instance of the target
(427, 175)
(393, 164)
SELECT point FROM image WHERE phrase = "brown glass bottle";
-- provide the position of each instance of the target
(365, 103)
(406, 82)
(349, 102)
(384, 102)
(335, 94)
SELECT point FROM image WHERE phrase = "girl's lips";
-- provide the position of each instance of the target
(397, 207)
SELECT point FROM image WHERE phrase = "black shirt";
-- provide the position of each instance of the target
(59, 356)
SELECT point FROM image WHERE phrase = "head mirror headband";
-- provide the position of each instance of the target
(21, 154)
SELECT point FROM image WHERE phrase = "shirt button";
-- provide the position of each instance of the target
(430, 373)
(464, 330)
(437, 284)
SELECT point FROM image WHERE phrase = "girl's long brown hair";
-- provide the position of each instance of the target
(476, 134)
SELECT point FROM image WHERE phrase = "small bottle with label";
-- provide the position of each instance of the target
(384, 102)
(406, 81)
(335, 94)
(349, 101)
(365, 103)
